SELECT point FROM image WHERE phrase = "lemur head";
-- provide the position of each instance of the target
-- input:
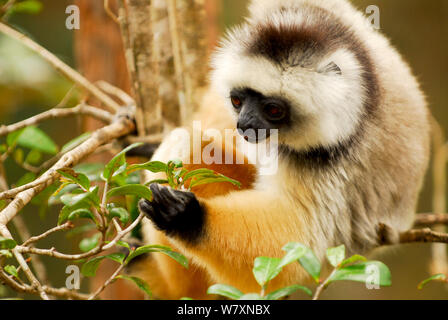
(300, 70)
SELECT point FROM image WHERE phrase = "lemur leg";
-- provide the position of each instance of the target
(166, 277)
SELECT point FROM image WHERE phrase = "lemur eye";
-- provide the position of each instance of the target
(236, 101)
(274, 111)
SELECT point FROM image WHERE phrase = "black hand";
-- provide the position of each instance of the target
(178, 213)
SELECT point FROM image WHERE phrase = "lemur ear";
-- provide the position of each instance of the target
(331, 68)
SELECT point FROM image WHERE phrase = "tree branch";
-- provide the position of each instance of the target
(107, 282)
(62, 227)
(431, 219)
(61, 66)
(22, 195)
(24, 288)
(53, 253)
(423, 235)
(59, 113)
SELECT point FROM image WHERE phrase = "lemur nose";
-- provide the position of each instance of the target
(248, 130)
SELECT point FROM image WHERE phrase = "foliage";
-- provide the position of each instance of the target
(266, 269)
(88, 207)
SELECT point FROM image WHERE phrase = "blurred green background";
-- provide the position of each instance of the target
(28, 85)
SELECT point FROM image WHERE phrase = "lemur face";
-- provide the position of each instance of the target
(258, 114)
(307, 76)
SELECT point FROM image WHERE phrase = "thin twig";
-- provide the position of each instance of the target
(53, 253)
(23, 232)
(109, 11)
(107, 282)
(58, 113)
(117, 92)
(24, 288)
(62, 67)
(22, 262)
(320, 288)
(4, 9)
(62, 227)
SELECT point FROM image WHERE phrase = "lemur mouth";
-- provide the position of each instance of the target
(254, 135)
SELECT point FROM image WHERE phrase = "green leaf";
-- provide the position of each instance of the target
(123, 244)
(78, 178)
(308, 261)
(6, 253)
(117, 257)
(2, 204)
(158, 248)
(88, 244)
(33, 157)
(12, 138)
(117, 162)
(225, 291)
(82, 213)
(294, 254)
(75, 142)
(34, 138)
(18, 156)
(283, 292)
(7, 243)
(153, 166)
(120, 170)
(352, 259)
(139, 282)
(90, 197)
(91, 170)
(265, 269)
(121, 213)
(12, 270)
(251, 296)
(197, 172)
(67, 210)
(336, 255)
(436, 277)
(90, 267)
(27, 6)
(367, 272)
(131, 189)
(186, 298)
(216, 179)
(175, 163)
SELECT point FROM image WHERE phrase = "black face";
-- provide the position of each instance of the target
(258, 114)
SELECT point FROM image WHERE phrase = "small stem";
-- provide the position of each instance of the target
(65, 226)
(108, 281)
(323, 285)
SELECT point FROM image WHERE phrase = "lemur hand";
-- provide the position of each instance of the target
(177, 213)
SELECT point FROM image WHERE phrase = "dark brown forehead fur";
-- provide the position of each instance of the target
(298, 44)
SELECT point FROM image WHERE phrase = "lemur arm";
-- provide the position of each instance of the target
(226, 233)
